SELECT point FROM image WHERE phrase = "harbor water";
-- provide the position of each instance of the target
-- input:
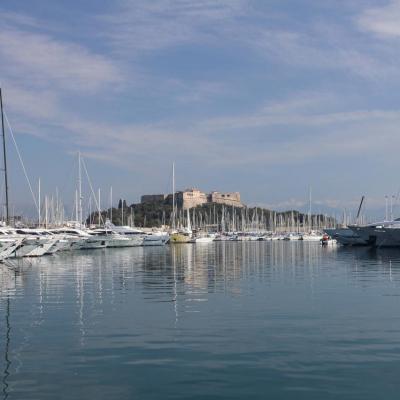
(224, 320)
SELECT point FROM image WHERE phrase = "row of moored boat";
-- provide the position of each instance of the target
(27, 242)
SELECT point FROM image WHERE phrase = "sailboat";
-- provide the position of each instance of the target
(183, 235)
(311, 235)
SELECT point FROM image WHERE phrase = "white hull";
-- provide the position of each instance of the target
(312, 238)
(8, 247)
(155, 240)
(121, 242)
(329, 242)
(25, 249)
(42, 248)
(204, 240)
(91, 244)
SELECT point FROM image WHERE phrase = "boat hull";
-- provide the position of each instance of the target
(180, 238)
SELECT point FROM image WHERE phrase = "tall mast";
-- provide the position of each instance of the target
(111, 204)
(99, 208)
(76, 205)
(310, 210)
(45, 211)
(122, 212)
(39, 216)
(90, 210)
(173, 195)
(4, 159)
(79, 188)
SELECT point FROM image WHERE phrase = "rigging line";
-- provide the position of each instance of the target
(22, 163)
(91, 187)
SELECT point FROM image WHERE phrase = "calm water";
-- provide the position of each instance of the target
(223, 320)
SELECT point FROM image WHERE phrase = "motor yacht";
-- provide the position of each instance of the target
(8, 246)
(379, 234)
(112, 238)
(36, 242)
(346, 237)
(80, 239)
(136, 235)
(157, 238)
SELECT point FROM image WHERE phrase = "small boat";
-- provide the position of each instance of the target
(328, 241)
(181, 237)
(292, 236)
(312, 237)
(204, 238)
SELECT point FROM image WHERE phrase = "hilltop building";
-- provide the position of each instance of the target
(194, 197)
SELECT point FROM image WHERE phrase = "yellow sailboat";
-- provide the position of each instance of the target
(184, 235)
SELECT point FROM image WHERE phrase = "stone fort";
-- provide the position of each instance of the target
(193, 197)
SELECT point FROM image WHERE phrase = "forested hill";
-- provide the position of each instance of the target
(210, 214)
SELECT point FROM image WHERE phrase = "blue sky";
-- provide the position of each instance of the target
(262, 97)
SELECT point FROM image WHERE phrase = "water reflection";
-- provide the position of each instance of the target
(165, 274)
(286, 307)
(7, 361)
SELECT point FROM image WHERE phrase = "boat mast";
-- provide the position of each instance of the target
(99, 208)
(111, 204)
(46, 218)
(122, 212)
(39, 216)
(79, 188)
(173, 195)
(76, 205)
(4, 158)
(310, 211)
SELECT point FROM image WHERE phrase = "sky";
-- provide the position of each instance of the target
(264, 97)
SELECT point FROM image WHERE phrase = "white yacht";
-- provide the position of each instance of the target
(8, 246)
(135, 235)
(204, 237)
(80, 239)
(112, 238)
(312, 236)
(158, 238)
(36, 242)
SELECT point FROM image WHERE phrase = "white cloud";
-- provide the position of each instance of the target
(313, 122)
(12, 19)
(383, 21)
(140, 25)
(149, 25)
(43, 61)
(41, 104)
(325, 49)
(300, 110)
